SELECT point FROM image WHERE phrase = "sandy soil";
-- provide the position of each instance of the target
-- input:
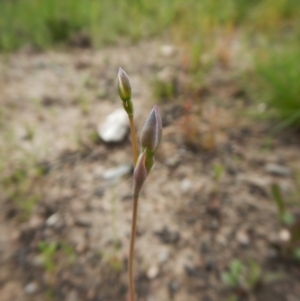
(206, 202)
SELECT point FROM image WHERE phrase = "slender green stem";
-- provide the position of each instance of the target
(133, 140)
(131, 248)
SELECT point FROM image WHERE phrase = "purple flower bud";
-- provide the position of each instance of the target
(124, 86)
(152, 131)
(139, 174)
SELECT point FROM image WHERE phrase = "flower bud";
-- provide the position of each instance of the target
(152, 131)
(139, 174)
(124, 86)
(149, 160)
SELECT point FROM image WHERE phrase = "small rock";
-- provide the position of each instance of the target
(167, 50)
(186, 185)
(278, 170)
(243, 238)
(284, 235)
(172, 161)
(152, 272)
(163, 255)
(117, 172)
(115, 127)
(52, 220)
(31, 288)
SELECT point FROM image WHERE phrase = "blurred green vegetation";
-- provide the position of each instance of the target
(45, 23)
(269, 28)
(278, 74)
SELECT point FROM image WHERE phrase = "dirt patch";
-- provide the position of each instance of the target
(206, 202)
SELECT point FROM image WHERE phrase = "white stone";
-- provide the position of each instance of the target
(284, 235)
(186, 185)
(31, 288)
(116, 172)
(152, 272)
(167, 50)
(278, 170)
(163, 255)
(52, 220)
(115, 127)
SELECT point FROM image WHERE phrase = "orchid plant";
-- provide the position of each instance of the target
(150, 139)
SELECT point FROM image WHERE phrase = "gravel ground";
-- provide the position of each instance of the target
(65, 223)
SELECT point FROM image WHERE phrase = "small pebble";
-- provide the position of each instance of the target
(117, 172)
(152, 272)
(186, 185)
(284, 235)
(52, 220)
(278, 170)
(243, 238)
(173, 161)
(31, 288)
(163, 255)
(167, 50)
(115, 127)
